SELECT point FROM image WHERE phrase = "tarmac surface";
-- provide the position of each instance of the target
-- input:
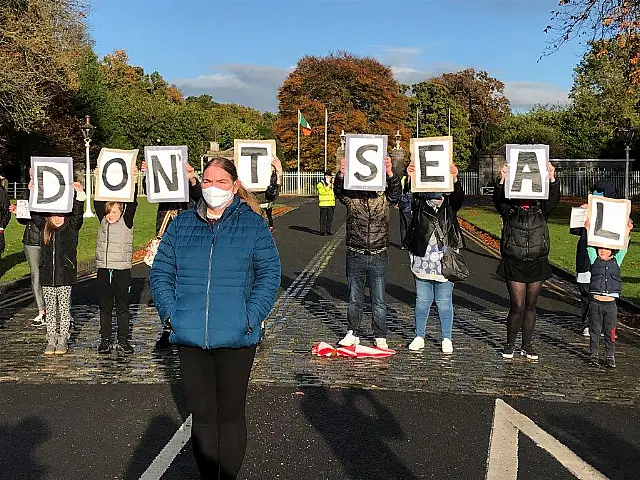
(412, 415)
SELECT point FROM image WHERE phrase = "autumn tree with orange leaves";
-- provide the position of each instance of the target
(359, 92)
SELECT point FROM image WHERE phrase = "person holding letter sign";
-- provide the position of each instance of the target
(367, 258)
(434, 226)
(605, 287)
(58, 268)
(524, 246)
(214, 280)
(114, 249)
(5, 215)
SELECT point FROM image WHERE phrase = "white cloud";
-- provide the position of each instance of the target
(523, 95)
(251, 85)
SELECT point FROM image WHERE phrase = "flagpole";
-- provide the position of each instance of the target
(326, 126)
(298, 151)
(449, 122)
(417, 124)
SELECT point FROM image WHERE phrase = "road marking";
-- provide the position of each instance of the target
(502, 461)
(171, 450)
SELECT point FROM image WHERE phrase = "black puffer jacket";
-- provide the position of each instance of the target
(31, 235)
(368, 213)
(424, 218)
(195, 194)
(59, 258)
(525, 234)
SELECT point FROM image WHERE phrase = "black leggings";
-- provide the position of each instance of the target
(522, 314)
(269, 212)
(215, 383)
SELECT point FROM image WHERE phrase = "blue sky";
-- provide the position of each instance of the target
(241, 50)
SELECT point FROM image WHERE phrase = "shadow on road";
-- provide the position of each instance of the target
(17, 449)
(304, 229)
(358, 429)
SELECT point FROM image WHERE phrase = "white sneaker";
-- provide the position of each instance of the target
(38, 321)
(447, 346)
(585, 332)
(382, 343)
(417, 344)
(349, 340)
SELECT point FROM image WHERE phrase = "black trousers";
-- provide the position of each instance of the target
(585, 299)
(603, 317)
(113, 287)
(326, 219)
(215, 383)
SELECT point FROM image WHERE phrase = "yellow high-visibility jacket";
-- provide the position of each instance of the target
(326, 197)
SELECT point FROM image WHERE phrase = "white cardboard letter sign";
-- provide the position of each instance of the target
(432, 158)
(22, 209)
(365, 156)
(52, 185)
(527, 176)
(115, 175)
(608, 219)
(167, 179)
(253, 162)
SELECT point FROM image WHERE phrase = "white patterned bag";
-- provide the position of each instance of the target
(152, 245)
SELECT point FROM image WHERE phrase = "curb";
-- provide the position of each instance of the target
(559, 271)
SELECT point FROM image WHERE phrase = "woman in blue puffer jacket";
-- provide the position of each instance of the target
(214, 280)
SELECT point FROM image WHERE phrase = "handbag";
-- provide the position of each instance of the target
(453, 265)
(152, 245)
(272, 191)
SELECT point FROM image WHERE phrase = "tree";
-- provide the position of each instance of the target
(433, 102)
(605, 22)
(483, 100)
(360, 93)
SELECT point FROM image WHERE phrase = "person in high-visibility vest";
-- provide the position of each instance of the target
(326, 202)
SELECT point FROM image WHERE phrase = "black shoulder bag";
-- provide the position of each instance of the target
(454, 268)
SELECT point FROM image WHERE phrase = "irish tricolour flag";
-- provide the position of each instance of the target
(304, 125)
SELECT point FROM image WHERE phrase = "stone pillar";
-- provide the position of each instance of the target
(339, 156)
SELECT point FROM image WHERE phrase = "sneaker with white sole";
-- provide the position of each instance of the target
(38, 321)
(585, 332)
(349, 340)
(447, 346)
(417, 344)
(382, 343)
(507, 351)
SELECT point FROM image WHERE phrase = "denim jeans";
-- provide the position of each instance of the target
(367, 270)
(426, 292)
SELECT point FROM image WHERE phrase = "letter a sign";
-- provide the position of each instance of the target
(608, 219)
(115, 175)
(52, 184)
(167, 174)
(527, 176)
(365, 156)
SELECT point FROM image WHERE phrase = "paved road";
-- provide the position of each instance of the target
(421, 415)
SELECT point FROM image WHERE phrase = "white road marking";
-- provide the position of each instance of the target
(502, 463)
(171, 450)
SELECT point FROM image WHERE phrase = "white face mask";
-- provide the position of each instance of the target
(215, 197)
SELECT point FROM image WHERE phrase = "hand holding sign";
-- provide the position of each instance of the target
(432, 158)
(607, 222)
(114, 179)
(253, 160)
(367, 165)
(528, 173)
(167, 177)
(52, 185)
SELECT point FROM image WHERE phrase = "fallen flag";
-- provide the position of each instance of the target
(323, 349)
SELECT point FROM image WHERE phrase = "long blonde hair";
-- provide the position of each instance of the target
(228, 166)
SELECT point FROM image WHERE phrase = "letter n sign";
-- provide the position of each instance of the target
(365, 156)
(115, 175)
(253, 162)
(52, 185)
(432, 158)
(608, 219)
(527, 175)
(167, 179)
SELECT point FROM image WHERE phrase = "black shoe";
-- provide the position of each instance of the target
(105, 346)
(125, 346)
(611, 362)
(529, 352)
(593, 361)
(163, 341)
(507, 351)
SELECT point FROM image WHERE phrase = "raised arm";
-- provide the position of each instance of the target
(456, 198)
(130, 209)
(554, 198)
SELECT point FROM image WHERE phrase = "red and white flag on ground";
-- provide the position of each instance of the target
(323, 349)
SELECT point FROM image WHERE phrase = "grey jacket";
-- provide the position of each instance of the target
(114, 246)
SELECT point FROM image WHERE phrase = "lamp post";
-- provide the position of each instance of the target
(343, 139)
(627, 133)
(87, 133)
(398, 137)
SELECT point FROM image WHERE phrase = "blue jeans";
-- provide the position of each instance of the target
(426, 292)
(371, 270)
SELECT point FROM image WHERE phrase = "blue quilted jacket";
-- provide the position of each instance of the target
(213, 285)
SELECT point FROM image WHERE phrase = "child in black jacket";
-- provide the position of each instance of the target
(58, 268)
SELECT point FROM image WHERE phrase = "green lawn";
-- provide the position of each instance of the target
(563, 244)
(13, 263)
